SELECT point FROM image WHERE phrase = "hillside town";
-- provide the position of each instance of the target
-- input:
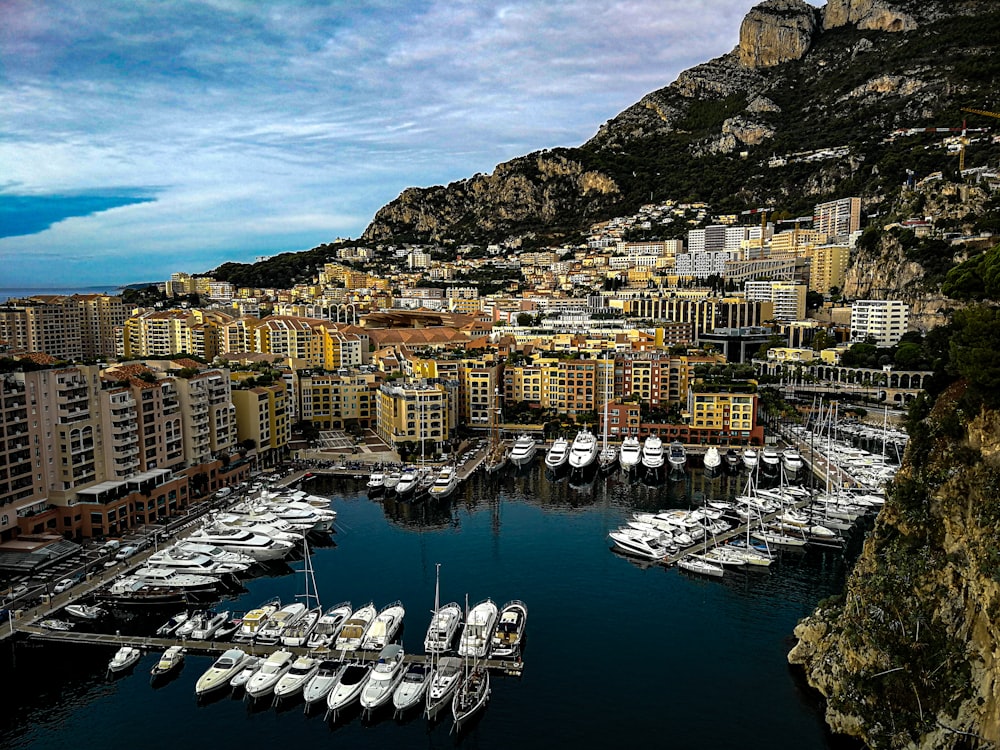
(118, 415)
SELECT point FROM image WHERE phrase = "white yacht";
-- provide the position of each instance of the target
(274, 627)
(524, 450)
(217, 554)
(769, 460)
(445, 483)
(444, 681)
(712, 460)
(407, 482)
(376, 483)
(475, 640)
(250, 665)
(258, 546)
(272, 669)
(471, 696)
(392, 479)
(630, 453)
(791, 461)
(694, 565)
(353, 632)
(298, 633)
(124, 659)
(169, 660)
(509, 633)
(441, 632)
(558, 454)
(347, 688)
(677, 456)
(749, 458)
(411, 689)
(583, 452)
(385, 676)
(168, 628)
(321, 683)
(384, 627)
(221, 672)
(329, 625)
(652, 453)
(253, 619)
(642, 544)
(207, 624)
(294, 680)
(185, 561)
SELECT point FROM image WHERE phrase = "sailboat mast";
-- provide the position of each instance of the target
(605, 446)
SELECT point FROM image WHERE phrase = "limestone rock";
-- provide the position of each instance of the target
(777, 31)
(875, 15)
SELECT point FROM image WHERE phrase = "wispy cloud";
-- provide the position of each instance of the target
(273, 126)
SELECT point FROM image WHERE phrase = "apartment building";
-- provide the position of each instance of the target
(336, 400)
(839, 218)
(885, 321)
(413, 413)
(262, 415)
(828, 267)
(723, 417)
(705, 314)
(208, 415)
(788, 299)
(50, 324)
(165, 333)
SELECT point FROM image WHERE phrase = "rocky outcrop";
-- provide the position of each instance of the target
(536, 190)
(875, 15)
(908, 656)
(777, 31)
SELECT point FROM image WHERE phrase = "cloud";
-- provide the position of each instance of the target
(280, 125)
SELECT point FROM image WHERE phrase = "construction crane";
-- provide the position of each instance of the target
(983, 112)
(763, 211)
(963, 139)
(795, 231)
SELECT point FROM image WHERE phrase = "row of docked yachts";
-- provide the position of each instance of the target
(331, 673)
(413, 483)
(267, 527)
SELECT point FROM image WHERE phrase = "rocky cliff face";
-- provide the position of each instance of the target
(908, 656)
(777, 31)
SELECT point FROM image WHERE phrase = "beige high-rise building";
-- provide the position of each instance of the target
(102, 316)
(839, 218)
(412, 413)
(829, 267)
(209, 417)
(262, 416)
(49, 324)
(334, 401)
(168, 333)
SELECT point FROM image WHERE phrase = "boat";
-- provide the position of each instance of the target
(383, 679)
(639, 543)
(124, 659)
(608, 456)
(384, 627)
(185, 560)
(471, 696)
(170, 626)
(791, 462)
(496, 453)
(328, 626)
(558, 454)
(252, 620)
(258, 546)
(392, 480)
(652, 454)
(54, 624)
(583, 451)
(630, 453)
(508, 636)
(169, 660)
(445, 483)
(274, 627)
(320, 684)
(444, 680)
(84, 611)
(677, 456)
(221, 672)
(694, 565)
(294, 680)
(239, 680)
(376, 483)
(441, 631)
(478, 630)
(749, 456)
(411, 689)
(407, 482)
(353, 632)
(271, 670)
(770, 461)
(347, 688)
(296, 633)
(732, 461)
(523, 451)
(208, 624)
(712, 460)
(155, 586)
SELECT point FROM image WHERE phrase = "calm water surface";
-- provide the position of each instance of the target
(617, 654)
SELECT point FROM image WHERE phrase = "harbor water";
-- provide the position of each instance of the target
(618, 654)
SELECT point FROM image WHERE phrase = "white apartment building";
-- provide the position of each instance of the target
(788, 298)
(703, 265)
(884, 320)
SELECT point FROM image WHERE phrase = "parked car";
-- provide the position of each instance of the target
(126, 552)
(63, 585)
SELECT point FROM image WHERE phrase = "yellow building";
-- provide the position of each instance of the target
(727, 414)
(335, 400)
(829, 267)
(412, 413)
(262, 415)
(170, 332)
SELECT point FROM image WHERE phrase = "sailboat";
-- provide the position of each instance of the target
(474, 690)
(496, 456)
(297, 633)
(608, 456)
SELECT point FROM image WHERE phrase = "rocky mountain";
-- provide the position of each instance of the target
(802, 78)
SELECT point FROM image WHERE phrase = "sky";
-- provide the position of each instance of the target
(144, 137)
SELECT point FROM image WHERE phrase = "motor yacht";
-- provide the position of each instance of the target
(677, 456)
(384, 627)
(478, 630)
(392, 480)
(445, 483)
(509, 633)
(471, 696)
(639, 543)
(749, 458)
(524, 450)
(732, 461)
(297, 633)
(376, 483)
(652, 453)
(383, 678)
(124, 659)
(791, 462)
(694, 565)
(84, 611)
(239, 680)
(558, 454)
(769, 461)
(444, 625)
(148, 586)
(54, 624)
(353, 632)
(630, 453)
(170, 626)
(443, 683)
(183, 560)
(583, 452)
(328, 626)
(411, 689)
(258, 546)
(213, 552)
(253, 620)
(346, 689)
(221, 672)
(294, 680)
(320, 684)
(207, 624)
(169, 660)
(712, 460)
(269, 633)
(407, 482)
(271, 670)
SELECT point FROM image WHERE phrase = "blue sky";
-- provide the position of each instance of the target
(142, 138)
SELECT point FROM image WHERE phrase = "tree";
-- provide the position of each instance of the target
(975, 350)
(524, 320)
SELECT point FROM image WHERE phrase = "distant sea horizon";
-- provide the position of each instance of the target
(15, 292)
